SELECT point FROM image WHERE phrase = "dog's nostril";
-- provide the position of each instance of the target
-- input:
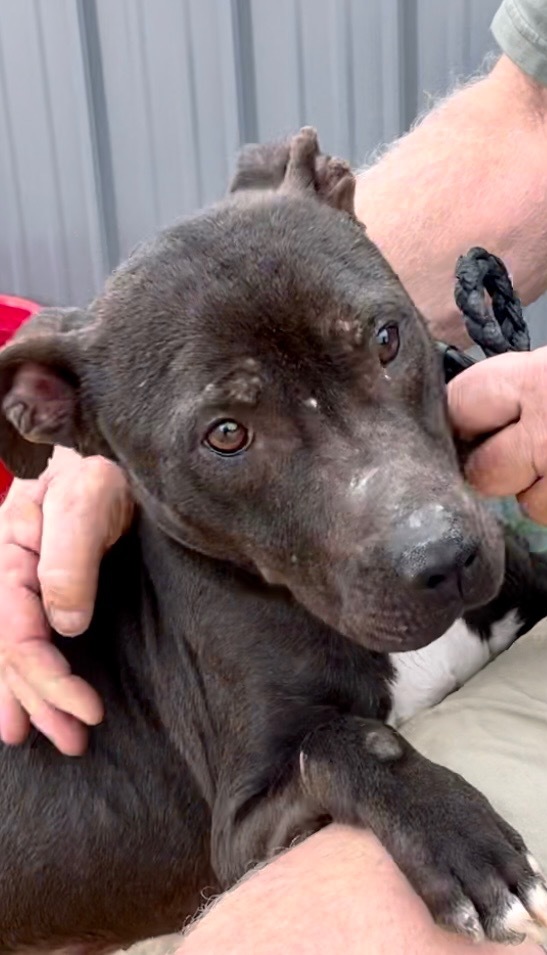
(446, 571)
(440, 564)
(435, 581)
(471, 558)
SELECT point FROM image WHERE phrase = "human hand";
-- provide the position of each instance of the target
(506, 395)
(53, 533)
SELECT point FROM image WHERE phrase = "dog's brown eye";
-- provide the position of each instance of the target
(388, 343)
(228, 437)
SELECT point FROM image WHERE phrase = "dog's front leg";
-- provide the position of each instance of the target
(470, 867)
(250, 825)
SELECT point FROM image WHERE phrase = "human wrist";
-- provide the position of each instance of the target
(506, 82)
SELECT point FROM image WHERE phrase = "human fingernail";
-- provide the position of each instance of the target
(68, 623)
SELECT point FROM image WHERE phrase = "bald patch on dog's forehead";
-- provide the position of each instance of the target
(241, 385)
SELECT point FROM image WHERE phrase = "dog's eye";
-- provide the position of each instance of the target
(387, 339)
(228, 437)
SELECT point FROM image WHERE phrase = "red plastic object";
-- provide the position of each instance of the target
(13, 312)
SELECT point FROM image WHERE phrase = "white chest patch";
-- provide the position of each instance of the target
(424, 677)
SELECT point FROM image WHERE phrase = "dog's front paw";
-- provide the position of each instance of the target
(471, 868)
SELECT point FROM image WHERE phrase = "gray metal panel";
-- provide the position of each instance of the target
(50, 234)
(117, 116)
(453, 39)
(171, 107)
(337, 68)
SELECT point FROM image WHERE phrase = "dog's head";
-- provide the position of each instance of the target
(276, 399)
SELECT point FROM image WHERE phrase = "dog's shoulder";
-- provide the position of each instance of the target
(129, 804)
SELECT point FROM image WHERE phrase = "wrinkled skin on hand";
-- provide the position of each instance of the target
(504, 398)
(53, 533)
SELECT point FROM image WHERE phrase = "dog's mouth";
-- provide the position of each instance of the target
(360, 588)
(401, 637)
(395, 628)
(379, 611)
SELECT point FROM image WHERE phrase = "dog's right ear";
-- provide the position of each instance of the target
(296, 166)
(261, 166)
(40, 390)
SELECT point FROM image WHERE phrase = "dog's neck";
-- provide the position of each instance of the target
(186, 663)
(186, 532)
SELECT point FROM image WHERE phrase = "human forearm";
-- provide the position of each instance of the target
(339, 892)
(474, 172)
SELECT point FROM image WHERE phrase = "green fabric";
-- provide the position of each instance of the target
(509, 512)
(520, 29)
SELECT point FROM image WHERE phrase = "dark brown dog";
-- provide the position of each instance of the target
(277, 402)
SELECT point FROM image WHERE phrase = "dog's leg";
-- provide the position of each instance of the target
(250, 828)
(470, 867)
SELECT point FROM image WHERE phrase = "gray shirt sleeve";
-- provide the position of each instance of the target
(520, 29)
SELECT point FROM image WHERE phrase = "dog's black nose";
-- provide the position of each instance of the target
(432, 552)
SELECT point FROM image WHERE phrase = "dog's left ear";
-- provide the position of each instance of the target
(40, 390)
(296, 166)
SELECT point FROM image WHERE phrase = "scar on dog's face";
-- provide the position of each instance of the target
(276, 400)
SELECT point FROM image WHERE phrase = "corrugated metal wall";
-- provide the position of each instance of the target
(116, 116)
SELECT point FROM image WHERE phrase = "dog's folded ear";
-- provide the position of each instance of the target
(39, 390)
(261, 166)
(296, 166)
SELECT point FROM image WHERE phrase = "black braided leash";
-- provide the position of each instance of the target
(491, 310)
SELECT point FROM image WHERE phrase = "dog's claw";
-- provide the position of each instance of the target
(517, 925)
(522, 918)
(464, 921)
(525, 917)
(536, 900)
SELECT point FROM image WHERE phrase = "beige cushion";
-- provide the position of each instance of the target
(494, 732)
